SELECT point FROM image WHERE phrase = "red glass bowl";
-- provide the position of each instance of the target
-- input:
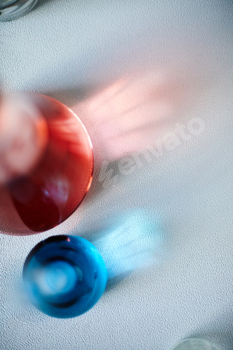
(55, 186)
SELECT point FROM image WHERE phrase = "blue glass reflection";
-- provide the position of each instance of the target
(64, 276)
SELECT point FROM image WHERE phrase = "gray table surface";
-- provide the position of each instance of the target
(139, 74)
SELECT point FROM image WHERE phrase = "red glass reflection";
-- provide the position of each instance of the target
(49, 193)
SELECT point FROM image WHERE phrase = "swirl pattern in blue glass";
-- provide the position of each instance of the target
(64, 276)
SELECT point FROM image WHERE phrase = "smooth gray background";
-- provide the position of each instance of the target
(101, 58)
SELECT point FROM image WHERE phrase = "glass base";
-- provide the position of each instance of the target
(13, 10)
(195, 344)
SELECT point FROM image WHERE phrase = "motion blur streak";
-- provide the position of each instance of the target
(133, 240)
(135, 110)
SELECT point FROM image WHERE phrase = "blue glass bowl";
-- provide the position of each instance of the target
(64, 276)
